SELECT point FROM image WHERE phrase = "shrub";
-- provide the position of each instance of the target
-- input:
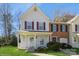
(2, 42)
(53, 46)
(65, 46)
(14, 41)
(49, 44)
(41, 49)
(9, 40)
(77, 50)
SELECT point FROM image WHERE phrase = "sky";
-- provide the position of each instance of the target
(49, 9)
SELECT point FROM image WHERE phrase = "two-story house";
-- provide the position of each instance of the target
(34, 29)
(74, 31)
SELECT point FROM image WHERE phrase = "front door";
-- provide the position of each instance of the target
(55, 39)
(31, 41)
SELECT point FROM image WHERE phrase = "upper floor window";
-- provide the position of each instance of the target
(76, 28)
(63, 28)
(54, 27)
(29, 25)
(40, 25)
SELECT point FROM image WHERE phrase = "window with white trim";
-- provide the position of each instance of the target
(42, 42)
(41, 26)
(76, 28)
(76, 39)
(29, 25)
(55, 28)
(63, 28)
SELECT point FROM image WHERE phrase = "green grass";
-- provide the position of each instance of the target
(59, 53)
(13, 51)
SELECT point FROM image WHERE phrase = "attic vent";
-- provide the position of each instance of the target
(35, 9)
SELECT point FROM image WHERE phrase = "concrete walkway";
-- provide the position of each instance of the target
(69, 52)
(41, 54)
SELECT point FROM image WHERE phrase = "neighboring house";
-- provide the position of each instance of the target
(74, 31)
(36, 30)
(64, 18)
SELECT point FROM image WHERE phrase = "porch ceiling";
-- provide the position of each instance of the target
(34, 33)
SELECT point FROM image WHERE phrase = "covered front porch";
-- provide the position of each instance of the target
(75, 40)
(33, 39)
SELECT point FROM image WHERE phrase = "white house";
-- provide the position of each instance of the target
(34, 29)
(74, 31)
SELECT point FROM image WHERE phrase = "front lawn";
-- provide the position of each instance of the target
(13, 51)
(59, 53)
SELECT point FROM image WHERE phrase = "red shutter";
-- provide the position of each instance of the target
(25, 24)
(37, 25)
(44, 26)
(32, 25)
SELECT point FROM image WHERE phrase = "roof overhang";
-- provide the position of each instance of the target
(59, 23)
(73, 19)
(34, 33)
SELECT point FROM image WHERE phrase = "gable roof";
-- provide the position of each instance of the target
(73, 19)
(64, 18)
(34, 7)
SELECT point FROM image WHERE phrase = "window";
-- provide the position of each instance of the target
(55, 27)
(63, 28)
(42, 42)
(29, 25)
(41, 26)
(76, 39)
(76, 28)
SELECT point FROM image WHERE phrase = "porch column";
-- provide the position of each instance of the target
(50, 37)
(35, 41)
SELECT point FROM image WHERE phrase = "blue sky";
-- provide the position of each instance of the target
(49, 9)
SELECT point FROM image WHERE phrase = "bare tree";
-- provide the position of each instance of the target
(6, 19)
(57, 15)
(62, 16)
